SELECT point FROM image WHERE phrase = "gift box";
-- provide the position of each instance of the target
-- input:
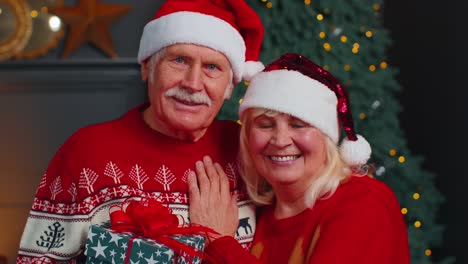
(104, 245)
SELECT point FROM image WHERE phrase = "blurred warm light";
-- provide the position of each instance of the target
(34, 13)
(54, 23)
(383, 65)
(417, 224)
(401, 159)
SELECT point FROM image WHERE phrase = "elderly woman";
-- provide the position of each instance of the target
(316, 202)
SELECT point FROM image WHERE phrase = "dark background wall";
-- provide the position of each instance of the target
(430, 49)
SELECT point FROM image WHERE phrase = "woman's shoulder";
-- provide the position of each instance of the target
(366, 192)
(365, 184)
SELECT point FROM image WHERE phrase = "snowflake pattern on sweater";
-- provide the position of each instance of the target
(104, 164)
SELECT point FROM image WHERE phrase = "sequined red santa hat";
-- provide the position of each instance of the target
(295, 85)
(228, 26)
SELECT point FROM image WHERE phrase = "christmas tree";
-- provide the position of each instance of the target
(347, 38)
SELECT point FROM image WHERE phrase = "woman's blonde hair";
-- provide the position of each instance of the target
(323, 185)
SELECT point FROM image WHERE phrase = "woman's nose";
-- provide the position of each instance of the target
(281, 136)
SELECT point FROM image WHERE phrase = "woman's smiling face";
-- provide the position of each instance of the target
(286, 150)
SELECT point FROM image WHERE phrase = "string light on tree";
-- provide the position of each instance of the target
(380, 171)
(404, 211)
(416, 196)
(362, 116)
(319, 17)
(417, 224)
(372, 68)
(383, 65)
(375, 104)
(401, 159)
(369, 34)
(392, 152)
(322, 35)
(337, 31)
(307, 2)
(355, 48)
(344, 39)
(327, 46)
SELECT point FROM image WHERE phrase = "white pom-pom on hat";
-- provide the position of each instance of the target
(252, 68)
(355, 152)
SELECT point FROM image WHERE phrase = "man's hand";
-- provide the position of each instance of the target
(211, 203)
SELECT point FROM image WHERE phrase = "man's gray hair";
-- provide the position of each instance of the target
(153, 61)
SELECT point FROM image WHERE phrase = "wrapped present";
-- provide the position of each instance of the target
(106, 246)
(145, 231)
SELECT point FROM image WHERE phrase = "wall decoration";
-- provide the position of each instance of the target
(89, 21)
(47, 29)
(15, 27)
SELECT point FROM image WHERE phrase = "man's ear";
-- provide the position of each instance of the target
(228, 92)
(145, 70)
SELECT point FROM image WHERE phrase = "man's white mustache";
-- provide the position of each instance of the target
(184, 95)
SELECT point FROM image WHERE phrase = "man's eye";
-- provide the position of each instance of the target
(179, 60)
(211, 66)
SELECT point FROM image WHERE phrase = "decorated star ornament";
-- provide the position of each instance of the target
(89, 21)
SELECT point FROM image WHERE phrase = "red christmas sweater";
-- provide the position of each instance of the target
(361, 223)
(104, 164)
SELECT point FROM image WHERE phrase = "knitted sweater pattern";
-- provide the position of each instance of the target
(104, 164)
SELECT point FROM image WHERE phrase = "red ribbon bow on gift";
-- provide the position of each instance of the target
(150, 219)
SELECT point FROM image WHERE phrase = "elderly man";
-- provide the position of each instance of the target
(191, 55)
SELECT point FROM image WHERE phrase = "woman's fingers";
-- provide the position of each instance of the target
(211, 203)
(212, 174)
(203, 181)
(223, 181)
(234, 208)
(194, 192)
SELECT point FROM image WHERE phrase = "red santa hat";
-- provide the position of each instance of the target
(295, 85)
(228, 26)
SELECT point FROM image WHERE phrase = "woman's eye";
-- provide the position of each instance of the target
(264, 125)
(298, 125)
